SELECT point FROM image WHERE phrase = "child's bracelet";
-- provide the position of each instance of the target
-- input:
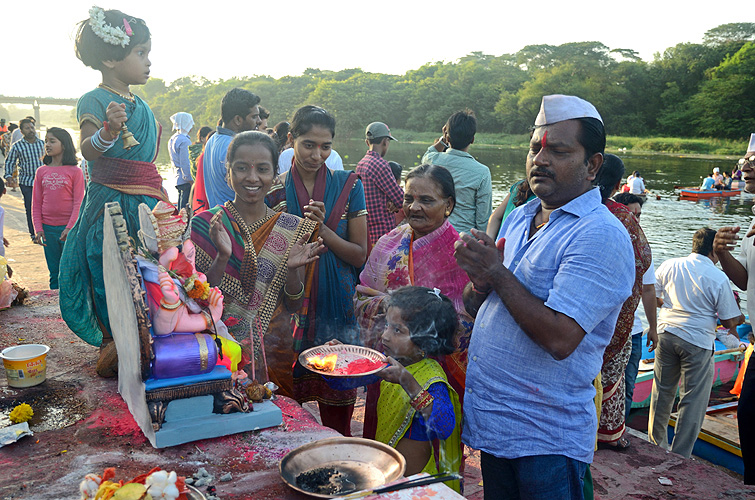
(421, 400)
(99, 143)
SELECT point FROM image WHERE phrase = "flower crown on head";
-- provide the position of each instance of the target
(109, 34)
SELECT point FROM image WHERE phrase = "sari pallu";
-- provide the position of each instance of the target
(328, 311)
(254, 279)
(126, 176)
(395, 414)
(612, 416)
(199, 201)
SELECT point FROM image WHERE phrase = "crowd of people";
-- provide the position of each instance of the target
(725, 181)
(500, 319)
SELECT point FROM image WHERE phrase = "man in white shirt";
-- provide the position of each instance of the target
(692, 292)
(636, 184)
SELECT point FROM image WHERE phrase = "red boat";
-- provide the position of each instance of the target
(694, 193)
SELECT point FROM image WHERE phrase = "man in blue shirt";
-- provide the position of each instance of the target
(708, 182)
(240, 112)
(545, 316)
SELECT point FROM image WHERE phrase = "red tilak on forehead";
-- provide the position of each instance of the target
(545, 136)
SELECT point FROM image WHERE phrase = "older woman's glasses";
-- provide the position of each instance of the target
(743, 161)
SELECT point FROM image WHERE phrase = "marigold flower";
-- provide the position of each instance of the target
(200, 290)
(21, 413)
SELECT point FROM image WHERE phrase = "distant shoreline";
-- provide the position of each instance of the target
(673, 146)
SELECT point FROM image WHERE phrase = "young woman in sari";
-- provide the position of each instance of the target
(612, 412)
(335, 200)
(418, 253)
(256, 256)
(119, 172)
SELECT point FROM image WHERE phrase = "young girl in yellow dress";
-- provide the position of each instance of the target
(417, 405)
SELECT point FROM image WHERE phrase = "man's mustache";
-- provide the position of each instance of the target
(541, 172)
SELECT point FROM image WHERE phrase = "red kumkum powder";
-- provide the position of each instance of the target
(358, 366)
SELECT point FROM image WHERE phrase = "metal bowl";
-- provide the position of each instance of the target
(194, 494)
(346, 354)
(366, 463)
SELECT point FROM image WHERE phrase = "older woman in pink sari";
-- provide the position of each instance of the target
(419, 253)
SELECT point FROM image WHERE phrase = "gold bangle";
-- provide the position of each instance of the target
(297, 296)
(207, 320)
(169, 307)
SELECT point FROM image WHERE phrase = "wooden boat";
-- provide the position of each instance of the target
(727, 364)
(718, 441)
(737, 184)
(693, 193)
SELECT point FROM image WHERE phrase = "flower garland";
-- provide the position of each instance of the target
(109, 34)
(196, 289)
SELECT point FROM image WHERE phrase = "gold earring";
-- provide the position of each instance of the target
(448, 212)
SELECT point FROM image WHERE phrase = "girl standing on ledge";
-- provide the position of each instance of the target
(117, 45)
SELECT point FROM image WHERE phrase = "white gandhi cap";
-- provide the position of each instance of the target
(751, 146)
(557, 108)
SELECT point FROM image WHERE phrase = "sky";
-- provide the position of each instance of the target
(278, 38)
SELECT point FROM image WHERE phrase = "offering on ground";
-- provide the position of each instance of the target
(154, 484)
(324, 481)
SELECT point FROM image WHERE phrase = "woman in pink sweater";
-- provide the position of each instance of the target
(58, 190)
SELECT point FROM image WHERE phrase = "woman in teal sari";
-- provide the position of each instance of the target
(334, 199)
(117, 174)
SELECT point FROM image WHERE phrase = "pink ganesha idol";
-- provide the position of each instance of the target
(180, 299)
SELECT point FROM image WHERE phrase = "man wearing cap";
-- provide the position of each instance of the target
(381, 191)
(546, 308)
(474, 190)
(741, 271)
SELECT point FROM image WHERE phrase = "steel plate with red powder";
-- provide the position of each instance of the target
(351, 360)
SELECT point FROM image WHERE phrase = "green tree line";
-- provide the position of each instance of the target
(689, 90)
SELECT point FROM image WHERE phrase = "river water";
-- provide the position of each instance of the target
(668, 222)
